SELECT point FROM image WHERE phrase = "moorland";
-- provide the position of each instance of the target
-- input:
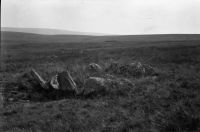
(169, 102)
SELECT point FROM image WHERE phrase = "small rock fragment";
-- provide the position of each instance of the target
(54, 82)
(94, 67)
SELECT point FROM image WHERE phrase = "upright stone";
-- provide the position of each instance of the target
(66, 82)
(39, 79)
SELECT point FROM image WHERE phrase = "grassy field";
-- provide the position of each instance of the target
(169, 102)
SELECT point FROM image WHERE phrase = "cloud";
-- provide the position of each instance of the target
(107, 16)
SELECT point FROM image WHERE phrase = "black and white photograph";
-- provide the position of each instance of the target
(100, 66)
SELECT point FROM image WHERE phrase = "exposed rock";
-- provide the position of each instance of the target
(62, 81)
(63, 85)
(137, 66)
(94, 84)
(54, 82)
(94, 67)
(36, 88)
(106, 86)
(11, 99)
(136, 69)
(39, 79)
(66, 82)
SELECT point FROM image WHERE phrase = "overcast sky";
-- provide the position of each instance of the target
(104, 16)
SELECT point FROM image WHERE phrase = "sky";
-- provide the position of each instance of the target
(104, 16)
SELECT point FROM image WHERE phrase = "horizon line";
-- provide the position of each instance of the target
(94, 33)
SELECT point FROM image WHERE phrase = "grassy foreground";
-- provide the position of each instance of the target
(169, 102)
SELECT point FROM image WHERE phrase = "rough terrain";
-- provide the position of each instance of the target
(126, 100)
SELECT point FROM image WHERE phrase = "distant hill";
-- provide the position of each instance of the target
(38, 38)
(47, 31)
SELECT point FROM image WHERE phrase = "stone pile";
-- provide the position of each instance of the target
(136, 69)
(63, 85)
(107, 86)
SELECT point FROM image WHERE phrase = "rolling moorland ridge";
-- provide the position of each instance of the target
(166, 101)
